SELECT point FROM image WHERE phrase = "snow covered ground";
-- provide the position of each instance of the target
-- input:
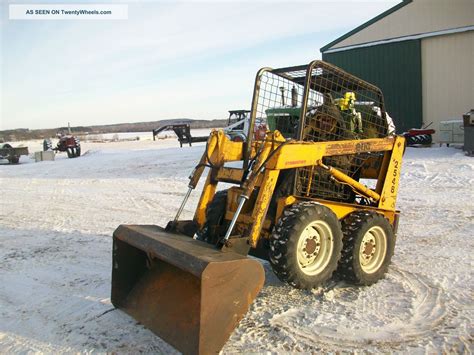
(57, 219)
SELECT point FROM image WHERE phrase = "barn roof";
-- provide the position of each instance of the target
(366, 24)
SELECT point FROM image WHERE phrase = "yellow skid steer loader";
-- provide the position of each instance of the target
(316, 198)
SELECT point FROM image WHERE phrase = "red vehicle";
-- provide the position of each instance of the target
(419, 137)
(67, 143)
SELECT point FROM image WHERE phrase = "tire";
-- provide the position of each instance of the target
(215, 214)
(47, 145)
(70, 152)
(7, 146)
(422, 139)
(306, 225)
(363, 232)
(78, 146)
(14, 160)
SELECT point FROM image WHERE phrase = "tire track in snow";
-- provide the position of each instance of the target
(426, 311)
(18, 344)
(128, 195)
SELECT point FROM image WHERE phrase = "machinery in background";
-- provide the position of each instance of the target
(315, 196)
(238, 126)
(12, 154)
(182, 131)
(236, 129)
(419, 137)
(67, 143)
(468, 120)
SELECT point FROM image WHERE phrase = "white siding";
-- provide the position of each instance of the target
(447, 65)
(420, 16)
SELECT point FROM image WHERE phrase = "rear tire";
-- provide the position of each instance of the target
(78, 146)
(305, 245)
(369, 243)
(14, 160)
(70, 152)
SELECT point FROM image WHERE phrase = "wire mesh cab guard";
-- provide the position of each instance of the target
(320, 102)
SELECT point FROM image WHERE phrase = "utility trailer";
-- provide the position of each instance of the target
(12, 154)
(182, 131)
(236, 129)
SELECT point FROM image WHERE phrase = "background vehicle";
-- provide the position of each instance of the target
(236, 129)
(419, 137)
(238, 126)
(12, 154)
(67, 143)
(315, 196)
(182, 131)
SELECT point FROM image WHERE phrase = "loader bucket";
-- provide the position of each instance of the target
(186, 291)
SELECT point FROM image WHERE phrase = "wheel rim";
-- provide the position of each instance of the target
(373, 249)
(315, 248)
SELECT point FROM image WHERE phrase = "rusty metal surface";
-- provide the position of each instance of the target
(187, 292)
(178, 250)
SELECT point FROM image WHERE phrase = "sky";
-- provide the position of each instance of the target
(169, 59)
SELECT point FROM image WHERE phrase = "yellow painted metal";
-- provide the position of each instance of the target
(272, 158)
(263, 178)
(383, 172)
(270, 144)
(340, 209)
(231, 175)
(247, 219)
(301, 154)
(220, 149)
(311, 174)
(282, 203)
(231, 151)
(392, 178)
(361, 188)
(343, 209)
(214, 154)
(233, 194)
(371, 167)
(261, 205)
(196, 174)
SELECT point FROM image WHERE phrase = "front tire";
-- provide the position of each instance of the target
(369, 243)
(215, 213)
(47, 145)
(305, 245)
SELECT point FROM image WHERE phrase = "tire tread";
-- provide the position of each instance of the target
(352, 226)
(283, 266)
